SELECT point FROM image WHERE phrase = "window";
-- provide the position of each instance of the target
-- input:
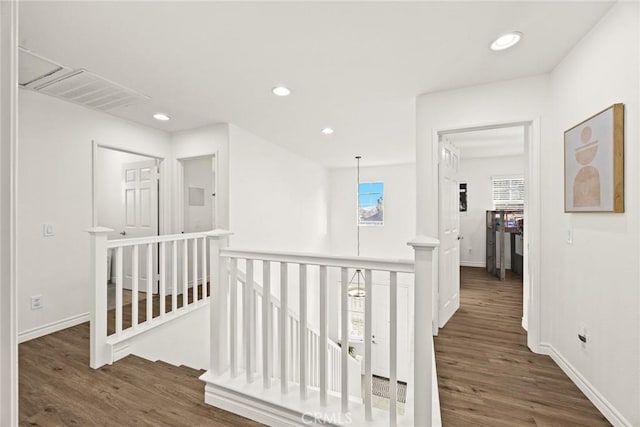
(508, 192)
(371, 203)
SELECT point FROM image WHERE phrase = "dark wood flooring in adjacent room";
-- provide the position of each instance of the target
(58, 388)
(487, 376)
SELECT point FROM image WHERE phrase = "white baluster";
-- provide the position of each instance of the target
(266, 323)
(174, 276)
(185, 273)
(233, 316)
(135, 276)
(163, 278)
(303, 331)
(194, 273)
(149, 282)
(247, 311)
(323, 335)
(368, 338)
(204, 268)
(119, 279)
(344, 311)
(283, 333)
(393, 348)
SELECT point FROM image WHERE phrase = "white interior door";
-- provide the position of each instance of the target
(140, 215)
(198, 207)
(449, 233)
(380, 332)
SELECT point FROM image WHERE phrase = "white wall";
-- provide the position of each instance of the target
(388, 241)
(477, 173)
(55, 187)
(278, 202)
(278, 199)
(594, 281)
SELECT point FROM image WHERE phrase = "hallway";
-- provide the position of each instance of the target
(486, 374)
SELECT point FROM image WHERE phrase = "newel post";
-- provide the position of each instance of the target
(100, 353)
(219, 285)
(424, 249)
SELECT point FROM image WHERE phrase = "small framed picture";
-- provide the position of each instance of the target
(594, 163)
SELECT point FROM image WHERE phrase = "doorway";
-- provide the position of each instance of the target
(481, 147)
(127, 200)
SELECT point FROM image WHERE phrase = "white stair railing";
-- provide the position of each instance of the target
(299, 348)
(313, 339)
(148, 267)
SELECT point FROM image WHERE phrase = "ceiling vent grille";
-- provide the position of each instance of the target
(36, 70)
(79, 86)
(88, 89)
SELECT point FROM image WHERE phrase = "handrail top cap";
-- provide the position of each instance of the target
(218, 232)
(424, 242)
(98, 230)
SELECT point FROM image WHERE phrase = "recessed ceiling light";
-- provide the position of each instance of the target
(506, 41)
(327, 131)
(281, 91)
(161, 116)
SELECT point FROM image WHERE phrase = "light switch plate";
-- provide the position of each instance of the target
(569, 236)
(48, 230)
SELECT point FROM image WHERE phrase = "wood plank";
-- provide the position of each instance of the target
(487, 376)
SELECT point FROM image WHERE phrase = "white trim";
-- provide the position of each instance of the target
(608, 410)
(52, 327)
(8, 212)
(525, 326)
(478, 264)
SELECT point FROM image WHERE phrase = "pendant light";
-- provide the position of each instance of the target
(356, 283)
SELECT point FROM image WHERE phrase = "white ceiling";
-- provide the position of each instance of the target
(495, 142)
(354, 66)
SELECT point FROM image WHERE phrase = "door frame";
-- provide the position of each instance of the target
(8, 212)
(163, 193)
(179, 214)
(531, 316)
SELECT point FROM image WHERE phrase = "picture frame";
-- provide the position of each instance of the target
(594, 163)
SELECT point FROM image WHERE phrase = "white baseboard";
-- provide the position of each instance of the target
(525, 324)
(600, 402)
(52, 327)
(480, 264)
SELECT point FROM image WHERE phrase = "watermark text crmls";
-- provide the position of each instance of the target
(310, 418)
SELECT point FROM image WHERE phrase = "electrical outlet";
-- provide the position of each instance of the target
(36, 302)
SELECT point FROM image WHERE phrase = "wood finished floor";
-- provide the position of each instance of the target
(58, 388)
(487, 376)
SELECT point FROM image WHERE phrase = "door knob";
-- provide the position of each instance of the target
(123, 233)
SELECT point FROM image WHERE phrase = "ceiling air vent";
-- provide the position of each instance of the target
(88, 89)
(36, 70)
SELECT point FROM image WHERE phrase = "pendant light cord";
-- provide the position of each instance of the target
(358, 203)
